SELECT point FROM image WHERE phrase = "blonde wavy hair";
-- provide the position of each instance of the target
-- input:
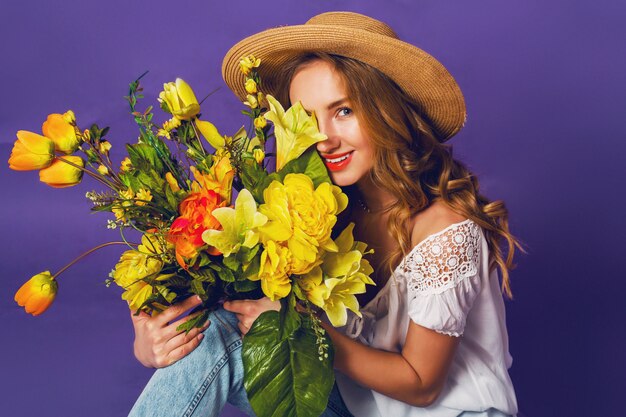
(411, 162)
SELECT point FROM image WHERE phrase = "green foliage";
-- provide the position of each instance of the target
(196, 321)
(309, 163)
(283, 372)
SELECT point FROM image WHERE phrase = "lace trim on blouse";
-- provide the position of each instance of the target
(443, 259)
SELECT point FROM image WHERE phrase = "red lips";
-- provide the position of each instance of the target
(337, 162)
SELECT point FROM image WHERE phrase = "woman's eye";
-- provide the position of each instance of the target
(344, 111)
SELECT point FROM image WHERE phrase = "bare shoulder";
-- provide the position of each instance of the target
(434, 219)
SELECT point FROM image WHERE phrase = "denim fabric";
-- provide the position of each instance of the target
(201, 383)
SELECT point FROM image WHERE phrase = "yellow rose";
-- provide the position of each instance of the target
(260, 122)
(62, 133)
(251, 86)
(63, 174)
(37, 294)
(302, 216)
(180, 99)
(31, 151)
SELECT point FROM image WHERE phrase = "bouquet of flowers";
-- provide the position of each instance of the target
(275, 240)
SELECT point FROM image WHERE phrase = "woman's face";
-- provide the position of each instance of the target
(348, 152)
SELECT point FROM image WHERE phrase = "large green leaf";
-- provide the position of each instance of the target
(309, 163)
(284, 376)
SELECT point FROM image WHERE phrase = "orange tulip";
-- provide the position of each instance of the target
(37, 294)
(63, 134)
(31, 151)
(62, 174)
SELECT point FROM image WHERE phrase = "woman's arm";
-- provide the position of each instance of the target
(415, 376)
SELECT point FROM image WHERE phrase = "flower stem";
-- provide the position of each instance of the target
(87, 253)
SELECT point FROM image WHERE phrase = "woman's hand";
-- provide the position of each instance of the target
(247, 311)
(158, 343)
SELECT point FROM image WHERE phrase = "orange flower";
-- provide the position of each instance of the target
(62, 174)
(219, 178)
(31, 151)
(37, 294)
(61, 132)
(195, 217)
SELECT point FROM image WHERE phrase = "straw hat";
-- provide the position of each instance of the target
(359, 37)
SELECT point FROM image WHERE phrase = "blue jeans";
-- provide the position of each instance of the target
(200, 384)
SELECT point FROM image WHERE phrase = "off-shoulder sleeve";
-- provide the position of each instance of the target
(442, 278)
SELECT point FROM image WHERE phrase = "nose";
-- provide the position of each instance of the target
(332, 141)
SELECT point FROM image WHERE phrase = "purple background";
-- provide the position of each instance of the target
(545, 84)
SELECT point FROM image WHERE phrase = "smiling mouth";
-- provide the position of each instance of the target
(337, 162)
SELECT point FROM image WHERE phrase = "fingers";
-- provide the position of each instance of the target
(170, 330)
(186, 345)
(177, 309)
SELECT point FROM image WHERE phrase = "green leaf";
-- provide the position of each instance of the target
(284, 376)
(309, 163)
(226, 275)
(203, 275)
(144, 157)
(231, 262)
(246, 285)
(197, 321)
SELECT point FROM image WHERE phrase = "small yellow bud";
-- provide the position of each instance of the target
(164, 133)
(251, 86)
(103, 170)
(86, 135)
(69, 117)
(259, 155)
(251, 101)
(260, 122)
(172, 182)
(104, 147)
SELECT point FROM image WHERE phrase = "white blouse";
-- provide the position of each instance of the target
(443, 284)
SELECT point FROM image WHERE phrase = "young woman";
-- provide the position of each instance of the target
(432, 340)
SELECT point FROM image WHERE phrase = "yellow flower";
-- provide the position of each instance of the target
(180, 99)
(126, 165)
(210, 133)
(250, 86)
(104, 147)
(219, 178)
(37, 294)
(31, 151)
(346, 274)
(260, 122)
(274, 271)
(143, 197)
(247, 63)
(134, 267)
(69, 117)
(63, 174)
(295, 131)
(171, 124)
(259, 155)
(302, 216)
(239, 225)
(171, 181)
(164, 133)
(103, 170)
(251, 101)
(62, 133)
(86, 134)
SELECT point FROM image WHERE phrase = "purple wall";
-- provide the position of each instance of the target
(545, 84)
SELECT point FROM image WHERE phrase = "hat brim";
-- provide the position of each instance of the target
(419, 74)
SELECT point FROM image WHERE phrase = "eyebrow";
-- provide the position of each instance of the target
(336, 103)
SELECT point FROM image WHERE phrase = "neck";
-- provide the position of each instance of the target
(374, 199)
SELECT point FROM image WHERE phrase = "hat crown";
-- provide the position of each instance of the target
(353, 20)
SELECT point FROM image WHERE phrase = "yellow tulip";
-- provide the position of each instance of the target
(62, 174)
(210, 133)
(62, 133)
(37, 294)
(31, 151)
(180, 99)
